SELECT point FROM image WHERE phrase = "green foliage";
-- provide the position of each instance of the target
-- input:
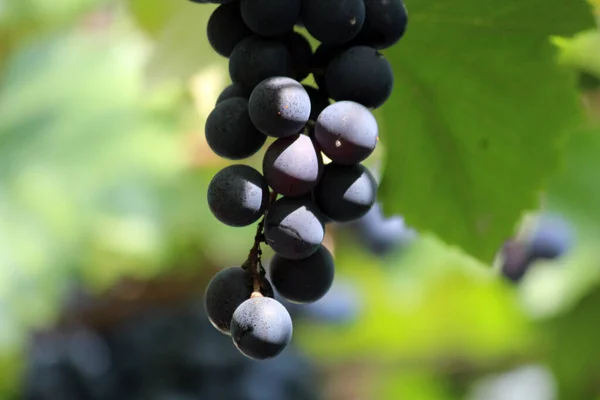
(80, 158)
(581, 51)
(476, 315)
(476, 123)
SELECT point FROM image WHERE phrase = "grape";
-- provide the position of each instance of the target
(385, 23)
(231, 91)
(270, 17)
(345, 192)
(238, 195)
(261, 328)
(301, 53)
(279, 107)
(255, 59)
(321, 59)
(381, 235)
(360, 74)
(516, 260)
(292, 166)
(318, 101)
(293, 228)
(333, 21)
(230, 132)
(226, 28)
(346, 132)
(551, 238)
(305, 280)
(226, 291)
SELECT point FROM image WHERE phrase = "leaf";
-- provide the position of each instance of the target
(152, 16)
(575, 192)
(476, 122)
(581, 51)
(435, 304)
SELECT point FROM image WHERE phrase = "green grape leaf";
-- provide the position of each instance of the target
(478, 116)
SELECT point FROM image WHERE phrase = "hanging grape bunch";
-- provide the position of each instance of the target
(268, 60)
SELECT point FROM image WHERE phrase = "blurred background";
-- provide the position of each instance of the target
(107, 243)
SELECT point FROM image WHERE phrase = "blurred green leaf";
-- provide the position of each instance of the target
(437, 305)
(581, 51)
(182, 47)
(575, 357)
(153, 16)
(575, 192)
(79, 160)
(475, 126)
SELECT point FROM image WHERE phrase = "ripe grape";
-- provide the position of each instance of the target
(321, 59)
(360, 74)
(230, 132)
(292, 166)
(228, 289)
(231, 91)
(255, 59)
(301, 53)
(279, 107)
(551, 237)
(381, 235)
(261, 328)
(270, 17)
(238, 195)
(293, 227)
(318, 101)
(385, 23)
(226, 28)
(333, 21)
(346, 132)
(305, 280)
(345, 192)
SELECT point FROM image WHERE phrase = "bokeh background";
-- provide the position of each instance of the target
(106, 241)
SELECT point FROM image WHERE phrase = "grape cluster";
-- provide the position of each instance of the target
(268, 61)
(166, 353)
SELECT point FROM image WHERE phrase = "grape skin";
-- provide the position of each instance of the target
(360, 74)
(261, 328)
(333, 21)
(231, 91)
(305, 280)
(238, 195)
(270, 17)
(301, 53)
(381, 235)
(228, 289)
(345, 192)
(230, 132)
(346, 132)
(385, 23)
(318, 101)
(292, 166)
(226, 28)
(255, 59)
(293, 227)
(279, 107)
(321, 59)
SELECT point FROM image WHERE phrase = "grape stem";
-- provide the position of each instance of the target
(253, 263)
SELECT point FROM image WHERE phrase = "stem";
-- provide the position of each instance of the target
(254, 256)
